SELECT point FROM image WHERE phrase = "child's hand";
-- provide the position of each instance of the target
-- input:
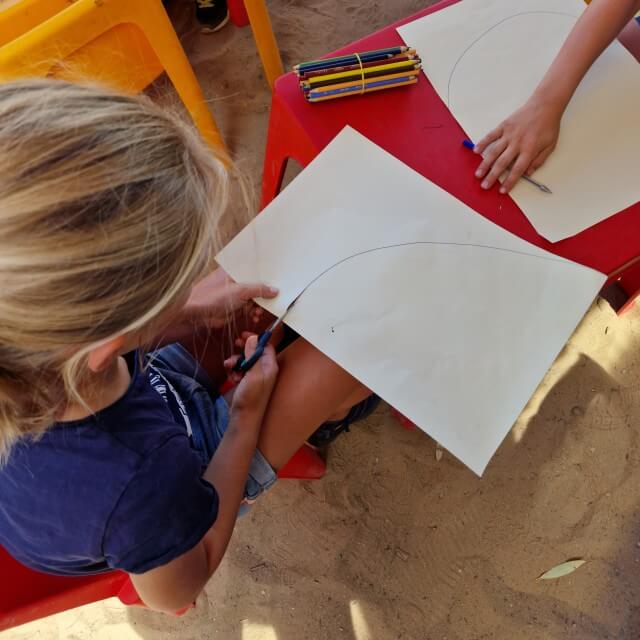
(217, 296)
(254, 389)
(523, 142)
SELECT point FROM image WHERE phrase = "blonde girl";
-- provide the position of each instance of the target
(117, 454)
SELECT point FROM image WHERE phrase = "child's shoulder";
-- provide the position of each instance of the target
(86, 465)
(82, 482)
(112, 443)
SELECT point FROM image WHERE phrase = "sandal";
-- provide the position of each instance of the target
(212, 15)
(329, 431)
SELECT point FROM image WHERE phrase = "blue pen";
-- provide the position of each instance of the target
(469, 145)
(314, 93)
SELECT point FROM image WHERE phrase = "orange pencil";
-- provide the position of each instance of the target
(356, 92)
(347, 75)
(406, 67)
(357, 84)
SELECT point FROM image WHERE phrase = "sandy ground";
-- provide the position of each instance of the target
(392, 543)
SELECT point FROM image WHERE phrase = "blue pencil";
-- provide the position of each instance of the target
(365, 57)
(330, 61)
(369, 56)
(314, 93)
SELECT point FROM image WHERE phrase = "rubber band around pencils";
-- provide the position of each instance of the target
(357, 55)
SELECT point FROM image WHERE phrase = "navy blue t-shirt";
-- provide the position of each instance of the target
(119, 490)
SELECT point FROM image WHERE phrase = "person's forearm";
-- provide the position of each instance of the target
(173, 586)
(596, 28)
(227, 472)
(178, 582)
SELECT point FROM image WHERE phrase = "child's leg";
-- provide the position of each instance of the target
(630, 38)
(310, 390)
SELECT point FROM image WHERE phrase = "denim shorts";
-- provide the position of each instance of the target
(208, 413)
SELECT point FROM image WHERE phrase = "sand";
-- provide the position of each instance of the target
(392, 543)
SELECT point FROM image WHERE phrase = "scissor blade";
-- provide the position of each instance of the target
(278, 321)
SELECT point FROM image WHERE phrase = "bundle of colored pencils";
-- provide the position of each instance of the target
(358, 73)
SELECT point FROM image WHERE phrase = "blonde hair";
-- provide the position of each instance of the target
(108, 212)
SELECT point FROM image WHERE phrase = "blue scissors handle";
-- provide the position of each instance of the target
(244, 364)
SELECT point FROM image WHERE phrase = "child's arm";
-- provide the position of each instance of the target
(177, 584)
(529, 135)
(212, 301)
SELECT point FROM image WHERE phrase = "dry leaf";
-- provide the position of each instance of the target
(439, 453)
(561, 570)
(402, 554)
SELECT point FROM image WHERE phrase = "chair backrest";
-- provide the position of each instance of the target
(22, 16)
(52, 38)
(27, 595)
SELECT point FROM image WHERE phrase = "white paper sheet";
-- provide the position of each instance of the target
(485, 57)
(449, 318)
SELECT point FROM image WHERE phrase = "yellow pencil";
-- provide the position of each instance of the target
(402, 57)
(357, 84)
(355, 93)
(401, 71)
(338, 76)
(327, 62)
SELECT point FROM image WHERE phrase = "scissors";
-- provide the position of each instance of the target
(244, 364)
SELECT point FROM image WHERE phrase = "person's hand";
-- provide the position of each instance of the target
(215, 298)
(519, 145)
(254, 388)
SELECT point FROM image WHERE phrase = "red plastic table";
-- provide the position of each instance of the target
(27, 595)
(414, 125)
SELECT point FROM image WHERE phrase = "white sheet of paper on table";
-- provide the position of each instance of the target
(446, 316)
(485, 57)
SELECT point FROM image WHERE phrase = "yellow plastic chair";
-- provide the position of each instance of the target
(125, 44)
(254, 13)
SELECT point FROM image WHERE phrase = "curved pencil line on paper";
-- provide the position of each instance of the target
(431, 242)
(482, 35)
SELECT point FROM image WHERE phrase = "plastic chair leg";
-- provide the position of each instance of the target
(128, 595)
(152, 19)
(265, 40)
(403, 420)
(285, 139)
(306, 464)
(629, 282)
(628, 305)
(238, 13)
(275, 164)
